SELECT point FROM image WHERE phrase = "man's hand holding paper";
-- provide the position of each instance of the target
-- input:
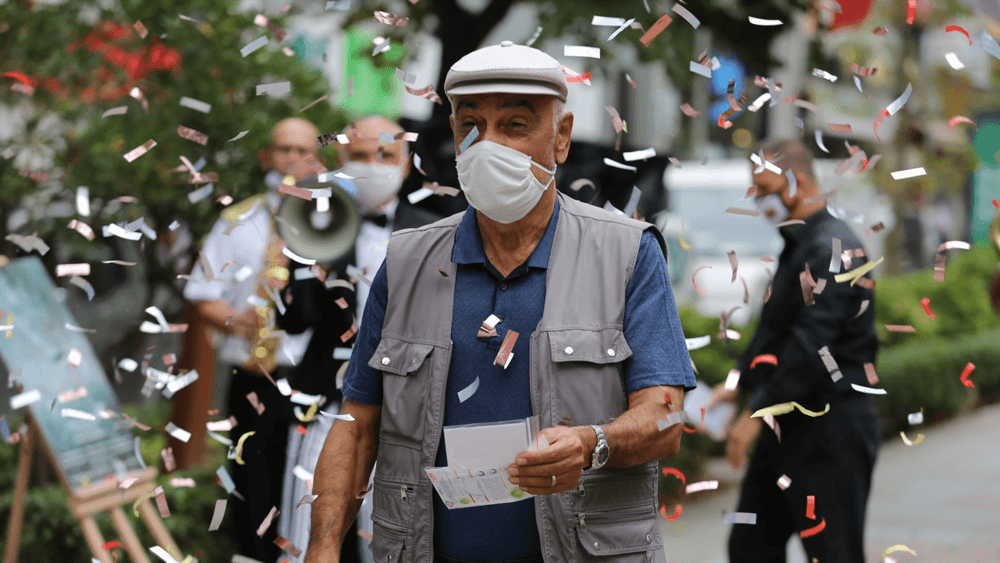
(565, 457)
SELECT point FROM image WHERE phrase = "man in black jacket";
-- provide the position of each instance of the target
(816, 346)
(378, 169)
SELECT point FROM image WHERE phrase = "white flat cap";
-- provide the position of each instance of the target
(506, 69)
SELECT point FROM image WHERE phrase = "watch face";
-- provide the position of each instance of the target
(602, 455)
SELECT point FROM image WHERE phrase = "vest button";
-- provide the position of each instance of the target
(649, 539)
(611, 352)
(385, 361)
(569, 350)
(597, 545)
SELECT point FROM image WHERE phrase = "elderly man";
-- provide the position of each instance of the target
(243, 250)
(600, 348)
(378, 170)
(824, 342)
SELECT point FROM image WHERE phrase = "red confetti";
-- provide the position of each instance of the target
(911, 9)
(961, 119)
(881, 116)
(811, 507)
(724, 123)
(688, 430)
(959, 29)
(22, 78)
(676, 473)
(302, 430)
(814, 530)
(995, 204)
(926, 302)
(764, 359)
(582, 78)
(964, 378)
(675, 516)
(112, 544)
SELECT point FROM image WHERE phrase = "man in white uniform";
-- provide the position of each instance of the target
(236, 252)
(378, 170)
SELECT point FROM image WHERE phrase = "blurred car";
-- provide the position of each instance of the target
(697, 197)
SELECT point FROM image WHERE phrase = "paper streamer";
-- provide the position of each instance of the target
(178, 433)
(814, 530)
(964, 378)
(785, 408)
(740, 518)
(856, 273)
(218, 515)
(908, 442)
(899, 547)
(239, 447)
(254, 45)
(688, 16)
(196, 105)
(701, 486)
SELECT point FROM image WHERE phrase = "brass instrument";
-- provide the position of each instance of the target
(994, 236)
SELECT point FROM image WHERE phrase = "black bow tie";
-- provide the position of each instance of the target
(380, 220)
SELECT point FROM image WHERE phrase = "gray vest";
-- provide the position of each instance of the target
(576, 359)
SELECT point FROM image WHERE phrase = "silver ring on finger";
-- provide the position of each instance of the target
(553, 481)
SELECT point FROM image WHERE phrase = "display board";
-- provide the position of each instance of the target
(49, 354)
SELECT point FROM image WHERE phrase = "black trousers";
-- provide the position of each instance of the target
(259, 479)
(830, 457)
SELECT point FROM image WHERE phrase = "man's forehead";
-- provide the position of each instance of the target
(535, 102)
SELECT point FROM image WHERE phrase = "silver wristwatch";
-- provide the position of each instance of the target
(601, 451)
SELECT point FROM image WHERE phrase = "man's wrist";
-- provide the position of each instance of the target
(588, 437)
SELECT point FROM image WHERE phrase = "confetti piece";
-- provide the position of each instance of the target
(870, 373)
(763, 22)
(688, 16)
(863, 70)
(72, 270)
(120, 110)
(573, 76)
(84, 285)
(266, 523)
(162, 553)
(674, 516)
(82, 228)
(911, 173)
(581, 51)
(966, 372)
(274, 88)
(614, 34)
(676, 473)
(765, 164)
(24, 399)
(820, 73)
(656, 29)
(784, 482)
(178, 433)
(690, 111)
(811, 507)
(989, 45)
(253, 45)
(900, 328)
(953, 61)
(899, 547)
(140, 150)
(288, 546)
(814, 530)
(915, 417)
(669, 420)
(926, 304)
(225, 479)
(701, 486)
(605, 21)
(73, 413)
(297, 258)
(880, 31)
(639, 155)
(856, 273)
(740, 518)
(697, 343)
(469, 139)
(694, 283)
(732, 380)
(908, 442)
(620, 166)
(488, 327)
(506, 354)
(839, 128)
(140, 29)
(192, 135)
(239, 447)
(911, 9)
(868, 390)
(218, 514)
(764, 359)
(196, 105)
(953, 245)
(391, 19)
(161, 502)
(464, 394)
(785, 408)
(899, 102)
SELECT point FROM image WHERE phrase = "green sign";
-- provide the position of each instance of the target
(376, 90)
(68, 392)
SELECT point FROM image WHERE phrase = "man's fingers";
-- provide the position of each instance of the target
(546, 470)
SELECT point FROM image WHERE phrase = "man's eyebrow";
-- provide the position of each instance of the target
(521, 103)
(467, 104)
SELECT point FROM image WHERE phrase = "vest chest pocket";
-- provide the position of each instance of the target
(406, 373)
(619, 537)
(588, 373)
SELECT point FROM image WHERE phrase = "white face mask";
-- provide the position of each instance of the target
(497, 180)
(772, 203)
(376, 183)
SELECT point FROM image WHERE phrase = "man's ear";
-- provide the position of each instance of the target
(264, 156)
(451, 123)
(408, 166)
(563, 134)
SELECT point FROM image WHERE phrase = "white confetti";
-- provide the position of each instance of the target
(239, 136)
(869, 390)
(763, 22)
(740, 518)
(72, 270)
(120, 110)
(899, 102)
(254, 45)
(162, 554)
(701, 486)
(83, 201)
(581, 51)
(274, 88)
(701, 69)
(344, 417)
(688, 16)
(73, 413)
(297, 258)
(606, 21)
(201, 193)
(952, 59)
(615, 164)
(699, 342)
(464, 394)
(180, 383)
(732, 380)
(766, 164)
(911, 173)
(196, 105)
(784, 482)
(639, 155)
(24, 399)
(179, 433)
(915, 417)
(218, 514)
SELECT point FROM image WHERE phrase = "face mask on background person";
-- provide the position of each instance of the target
(376, 183)
(772, 209)
(497, 180)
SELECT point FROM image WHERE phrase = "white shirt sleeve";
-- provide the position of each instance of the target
(217, 251)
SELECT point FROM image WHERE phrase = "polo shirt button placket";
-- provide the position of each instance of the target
(503, 286)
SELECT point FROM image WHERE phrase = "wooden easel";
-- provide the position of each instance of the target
(86, 503)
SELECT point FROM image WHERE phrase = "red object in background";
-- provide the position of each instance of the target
(926, 303)
(814, 530)
(764, 359)
(676, 473)
(852, 12)
(675, 516)
(964, 378)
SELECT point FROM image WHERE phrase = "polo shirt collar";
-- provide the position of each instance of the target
(798, 233)
(468, 247)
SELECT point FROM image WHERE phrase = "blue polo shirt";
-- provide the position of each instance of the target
(508, 532)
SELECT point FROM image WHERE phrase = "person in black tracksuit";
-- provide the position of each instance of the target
(830, 457)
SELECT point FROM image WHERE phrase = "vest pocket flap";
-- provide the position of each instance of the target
(615, 537)
(387, 544)
(398, 357)
(595, 346)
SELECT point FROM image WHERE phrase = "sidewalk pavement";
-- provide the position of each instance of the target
(940, 498)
